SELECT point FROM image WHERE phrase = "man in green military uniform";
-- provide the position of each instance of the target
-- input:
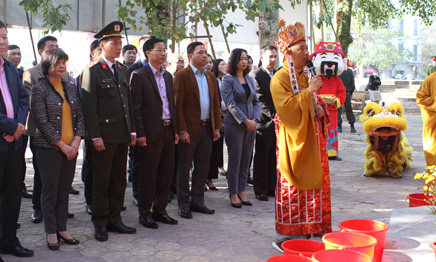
(432, 68)
(108, 112)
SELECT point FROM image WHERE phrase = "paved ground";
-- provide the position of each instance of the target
(231, 234)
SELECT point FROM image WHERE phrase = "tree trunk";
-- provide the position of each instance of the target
(345, 37)
(268, 27)
(320, 23)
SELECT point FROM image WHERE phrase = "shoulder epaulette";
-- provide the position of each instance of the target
(93, 63)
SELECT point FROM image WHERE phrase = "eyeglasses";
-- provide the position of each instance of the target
(162, 51)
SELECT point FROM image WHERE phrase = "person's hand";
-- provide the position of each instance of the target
(132, 140)
(19, 131)
(216, 135)
(8, 138)
(184, 137)
(142, 141)
(176, 139)
(319, 112)
(315, 83)
(68, 151)
(332, 102)
(99, 144)
(76, 143)
(251, 124)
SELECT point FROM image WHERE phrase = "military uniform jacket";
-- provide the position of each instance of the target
(106, 103)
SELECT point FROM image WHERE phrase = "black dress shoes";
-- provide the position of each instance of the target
(25, 194)
(74, 191)
(36, 216)
(70, 215)
(18, 251)
(185, 213)
(52, 246)
(262, 197)
(245, 203)
(121, 228)
(100, 233)
(148, 222)
(89, 209)
(71, 241)
(166, 219)
(203, 209)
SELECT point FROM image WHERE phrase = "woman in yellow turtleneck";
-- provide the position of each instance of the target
(56, 110)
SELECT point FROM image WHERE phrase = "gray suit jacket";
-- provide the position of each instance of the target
(147, 103)
(239, 107)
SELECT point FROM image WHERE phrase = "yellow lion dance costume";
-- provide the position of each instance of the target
(388, 149)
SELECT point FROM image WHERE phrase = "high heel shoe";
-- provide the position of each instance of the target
(237, 205)
(211, 187)
(52, 246)
(245, 203)
(72, 241)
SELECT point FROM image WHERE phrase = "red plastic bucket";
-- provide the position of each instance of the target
(350, 241)
(417, 200)
(304, 247)
(335, 255)
(288, 258)
(373, 228)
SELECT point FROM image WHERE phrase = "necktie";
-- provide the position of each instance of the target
(114, 67)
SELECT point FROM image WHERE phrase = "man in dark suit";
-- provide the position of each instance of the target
(14, 56)
(134, 162)
(347, 78)
(264, 169)
(156, 129)
(14, 106)
(199, 122)
(108, 111)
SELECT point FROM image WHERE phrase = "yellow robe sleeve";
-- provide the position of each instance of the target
(426, 100)
(299, 159)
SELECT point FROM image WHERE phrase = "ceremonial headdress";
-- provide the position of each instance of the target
(330, 47)
(289, 35)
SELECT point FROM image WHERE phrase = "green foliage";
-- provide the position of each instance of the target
(54, 15)
(163, 15)
(379, 48)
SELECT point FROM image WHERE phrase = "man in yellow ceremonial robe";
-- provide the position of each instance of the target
(426, 99)
(303, 206)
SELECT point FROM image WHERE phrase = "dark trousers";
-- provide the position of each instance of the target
(240, 144)
(217, 150)
(348, 110)
(22, 150)
(109, 183)
(134, 169)
(173, 187)
(10, 195)
(265, 162)
(87, 170)
(37, 185)
(198, 150)
(57, 173)
(157, 167)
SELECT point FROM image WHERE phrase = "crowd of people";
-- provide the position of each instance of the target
(161, 121)
(161, 125)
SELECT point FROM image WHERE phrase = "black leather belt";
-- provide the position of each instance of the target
(166, 122)
(204, 122)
